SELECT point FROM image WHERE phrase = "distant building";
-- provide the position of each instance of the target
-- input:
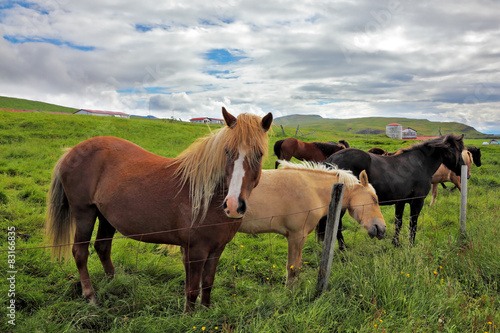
(409, 133)
(207, 120)
(394, 131)
(103, 113)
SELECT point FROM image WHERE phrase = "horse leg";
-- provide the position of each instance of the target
(415, 208)
(102, 245)
(193, 265)
(85, 220)
(340, 236)
(434, 194)
(398, 221)
(296, 243)
(208, 276)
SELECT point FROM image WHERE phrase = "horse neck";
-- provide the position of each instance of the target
(418, 158)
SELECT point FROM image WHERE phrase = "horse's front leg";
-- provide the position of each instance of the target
(208, 276)
(193, 265)
(415, 208)
(398, 221)
(296, 243)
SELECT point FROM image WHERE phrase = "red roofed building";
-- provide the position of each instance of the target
(394, 131)
(103, 113)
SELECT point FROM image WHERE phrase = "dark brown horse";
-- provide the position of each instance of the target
(379, 151)
(402, 178)
(190, 201)
(305, 151)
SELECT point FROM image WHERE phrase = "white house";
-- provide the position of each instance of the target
(394, 131)
(103, 113)
(409, 133)
(207, 120)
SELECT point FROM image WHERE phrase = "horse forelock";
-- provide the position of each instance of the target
(203, 164)
(344, 176)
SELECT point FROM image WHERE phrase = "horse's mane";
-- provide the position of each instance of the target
(203, 163)
(345, 176)
(450, 146)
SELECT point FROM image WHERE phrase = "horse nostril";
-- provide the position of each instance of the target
(242, 207)
(224, 205)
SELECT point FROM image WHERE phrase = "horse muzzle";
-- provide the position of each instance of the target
(377, 230)
(234, 208)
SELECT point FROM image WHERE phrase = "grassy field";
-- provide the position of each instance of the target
(25, 104)
(445, 282)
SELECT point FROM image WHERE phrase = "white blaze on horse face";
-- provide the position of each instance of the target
(232, 198)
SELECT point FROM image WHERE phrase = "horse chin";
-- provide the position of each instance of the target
(235, 216)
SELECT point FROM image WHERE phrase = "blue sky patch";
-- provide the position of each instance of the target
(324, 102)
(53, 41)
(223, 56)
(26, 4)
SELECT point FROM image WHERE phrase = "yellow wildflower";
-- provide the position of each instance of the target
(408, 275)
(435, 273)
(203, 328)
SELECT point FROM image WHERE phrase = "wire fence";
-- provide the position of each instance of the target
(424, 222)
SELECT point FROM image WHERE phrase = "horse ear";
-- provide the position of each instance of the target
(267, 121)
(228, 118)
(363, 178)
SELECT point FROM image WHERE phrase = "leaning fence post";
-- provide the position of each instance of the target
(463, 197)
(332, 225)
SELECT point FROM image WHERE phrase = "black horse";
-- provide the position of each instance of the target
(401, 178)
(476, 155)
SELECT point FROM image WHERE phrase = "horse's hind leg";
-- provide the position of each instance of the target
(85, 220)
(102, 244)
(434, 193)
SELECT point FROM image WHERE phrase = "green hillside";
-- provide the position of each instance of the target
(25, 104)
(375, 125)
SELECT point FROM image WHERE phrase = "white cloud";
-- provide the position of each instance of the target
(424, 59)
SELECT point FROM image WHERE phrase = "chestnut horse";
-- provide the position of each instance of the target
(305, 151)
(404, 177)
(443, 174)
(308, 189)
(191, 201)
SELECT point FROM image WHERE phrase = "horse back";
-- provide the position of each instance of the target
(352, 159)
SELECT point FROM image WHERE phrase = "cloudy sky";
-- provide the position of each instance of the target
(438, 60)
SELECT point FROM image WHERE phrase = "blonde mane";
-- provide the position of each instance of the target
(345, 176)
(203, 163)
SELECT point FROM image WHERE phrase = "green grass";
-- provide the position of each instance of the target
(444, 283)
(25, 104)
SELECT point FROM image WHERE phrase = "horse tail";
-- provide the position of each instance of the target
(320, 229)
(277, 148)
(60, 227)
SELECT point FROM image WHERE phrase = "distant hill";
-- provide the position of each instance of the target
(25, 104)
(375, 125)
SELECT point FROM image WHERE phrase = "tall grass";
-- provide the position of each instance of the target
(445, 282)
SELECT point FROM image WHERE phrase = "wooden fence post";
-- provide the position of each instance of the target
(283, 130)
(332, 225)
(463, 198)
(297, 130)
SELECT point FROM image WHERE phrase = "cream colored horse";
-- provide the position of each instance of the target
(291, 200)
(443, 174)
